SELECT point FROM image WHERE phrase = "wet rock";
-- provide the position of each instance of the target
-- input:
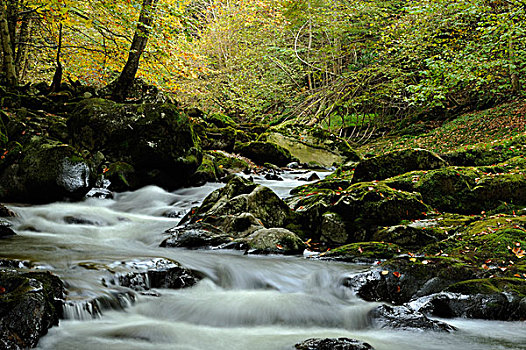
(156, 273)
(310, 177)
(333, 344)
(230, 215)
(364, 252)
(496, 306)
(274, 241)
(400, 280)
(265, 152)
(156, 140)
(273, 177)
(30, 303)
(395, 163)
(101, 193)
(196, 236)
(45, 171)
(402, 317)
(5, 229)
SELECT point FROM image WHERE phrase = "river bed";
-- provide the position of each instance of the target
(243, 302)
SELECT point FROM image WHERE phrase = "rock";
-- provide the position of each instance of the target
(464, 190)
(274, 241)
(45, 171)
(496, 306)
(239, 215)
(156, 141)
(208, 171)
(265, 152)
(6, 212)
(30, 303)
(400, 280)
(401, 317)
(309, 177)
(333, 344)
(364, 252)
(101, 193)
(243, 196)
(139, 92)
(312, 144)
(219, 139)
(5, 229)
(196, 236)
(395, 163)
(273, 177)
(155, 273)
(360, 208)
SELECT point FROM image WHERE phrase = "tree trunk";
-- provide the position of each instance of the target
(22, 46)
(9, 65)
(140, 39)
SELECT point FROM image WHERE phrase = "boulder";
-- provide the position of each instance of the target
(354, 213)
(240, 215)
(312, 144)
(219, 139)
(45, 171)
(396, 163)
(265, 152)
(363, 252)
(30, 303)
(333, 344)
(274, 241)
(6, 212)
(5, 229)
(402, 317)
(157, 140)
(143, 275)
(465, 190)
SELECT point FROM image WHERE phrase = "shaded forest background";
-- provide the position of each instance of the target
(349, 65)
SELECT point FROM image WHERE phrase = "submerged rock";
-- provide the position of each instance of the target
(5, 229)
(395, 163)
(45, 171)
(6, 212)
(30, 303)
(333, 344)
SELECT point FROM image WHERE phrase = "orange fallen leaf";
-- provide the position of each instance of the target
(397, 274)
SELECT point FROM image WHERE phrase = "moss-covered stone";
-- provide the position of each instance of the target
(122, 176)
(396, 163)
(220, 120)
(490, 286)
(467, 190)
(156, 139)
(363, 252)
(265, 152)
(488, 154)
(45, 171)
(30, 303)
(274, 241)
(219, 139)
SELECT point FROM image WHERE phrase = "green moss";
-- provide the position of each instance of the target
(265, 152)
(490, 286)
(362, 251)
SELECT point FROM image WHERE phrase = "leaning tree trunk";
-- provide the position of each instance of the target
(140, 39)
(5, 38)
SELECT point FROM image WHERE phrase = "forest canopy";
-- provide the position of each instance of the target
(323, 61)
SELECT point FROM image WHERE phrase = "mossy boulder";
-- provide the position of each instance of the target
(489, 153)
(156, 139)
(312, 144)
(219, 139)
(30, 303)
(220, 120)
(122, 176)
(467, 190)
(240, 215)
(274, 241)
(45, 171)
(363, 252)
(265, 152)
(396, 163)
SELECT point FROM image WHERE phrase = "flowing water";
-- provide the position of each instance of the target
(244, 302)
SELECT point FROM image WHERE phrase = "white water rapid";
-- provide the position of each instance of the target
(243, 302)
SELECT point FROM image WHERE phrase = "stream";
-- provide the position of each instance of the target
(243, 302)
